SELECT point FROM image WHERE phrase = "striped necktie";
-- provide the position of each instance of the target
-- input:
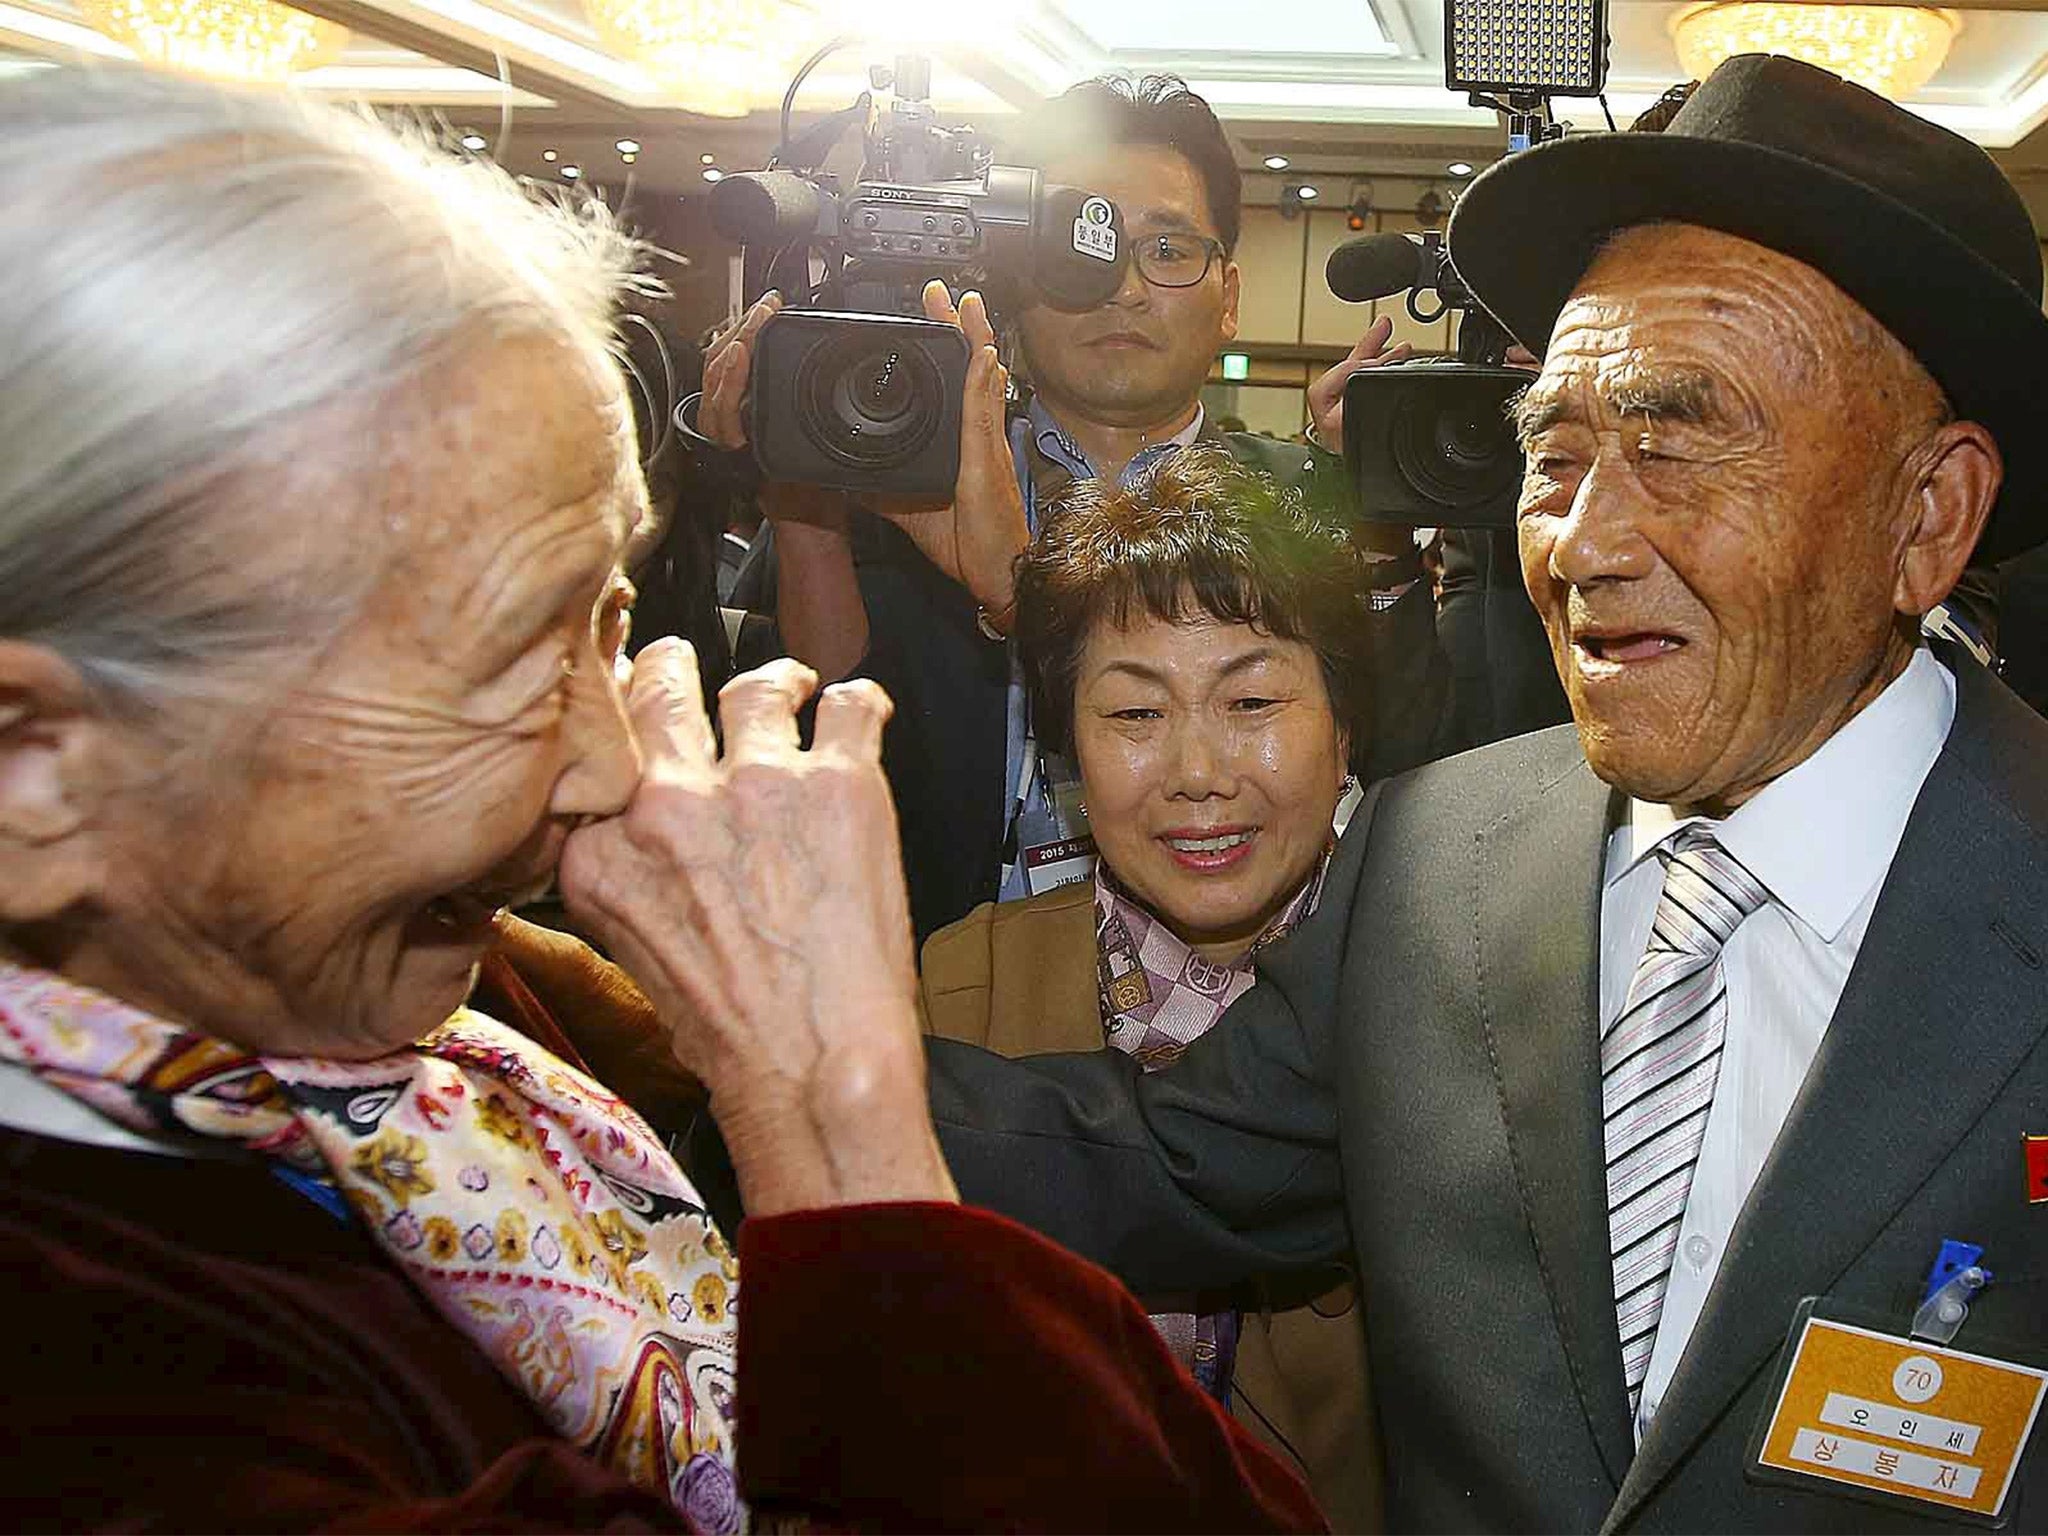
(1659, 1063)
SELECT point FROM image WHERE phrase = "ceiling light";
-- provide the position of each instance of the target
(629, 159)
(549, 155)
(475, 141)
(1306, 193)
(1459, 168)
(707, 159)
(1359, 214)
(1890, 49)
(713, 173)
(244, 40)
(570, 173)
(717, 57)
(1276, 162)
(628, 146)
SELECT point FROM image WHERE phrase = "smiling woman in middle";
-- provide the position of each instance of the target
(1195, 644)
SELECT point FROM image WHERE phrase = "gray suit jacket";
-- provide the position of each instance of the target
(1418, 1072)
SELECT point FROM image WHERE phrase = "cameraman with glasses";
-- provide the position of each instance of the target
(920, 599)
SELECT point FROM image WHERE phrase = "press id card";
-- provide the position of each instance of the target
(1095, 230)
(1877, 1415)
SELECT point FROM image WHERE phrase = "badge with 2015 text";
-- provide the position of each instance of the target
(1863, 1411)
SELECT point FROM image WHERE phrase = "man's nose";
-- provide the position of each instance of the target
(1601, 537)
(1134, 291)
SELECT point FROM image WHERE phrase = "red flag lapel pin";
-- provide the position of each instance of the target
(2037, 1170)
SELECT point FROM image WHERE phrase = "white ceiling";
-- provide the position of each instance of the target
(1344, 86)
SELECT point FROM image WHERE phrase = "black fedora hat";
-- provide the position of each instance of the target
(1913, 222)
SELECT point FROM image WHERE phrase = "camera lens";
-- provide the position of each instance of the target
(870, 403)
(1455, 448)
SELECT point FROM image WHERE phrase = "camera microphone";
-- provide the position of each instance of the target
(1376, 266)
(770, 209)
(1078, 250)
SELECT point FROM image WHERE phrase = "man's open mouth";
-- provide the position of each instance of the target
(1628, 646)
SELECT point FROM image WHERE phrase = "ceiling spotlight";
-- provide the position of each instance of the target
(628, 146)
(549, 156)
(570, 173)
(1459, 168)
(1276, 162)
(1306, 193)
(1430, 208)
(475, 141)
(706, 159)
(713, 173)
(629, 159)
(1360, 212)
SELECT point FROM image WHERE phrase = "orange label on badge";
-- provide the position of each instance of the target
(1902, 1416)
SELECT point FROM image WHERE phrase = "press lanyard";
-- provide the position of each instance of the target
(1027, 774)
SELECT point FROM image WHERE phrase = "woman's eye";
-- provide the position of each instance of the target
(1135, 712)
(1253, 702)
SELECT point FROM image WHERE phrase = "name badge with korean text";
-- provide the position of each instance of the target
(1895, 1419)
(1048, 866)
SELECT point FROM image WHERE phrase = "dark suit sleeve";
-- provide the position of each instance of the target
(1218, 1168)
(1505, 681)
(943, 750)
(1414, 719)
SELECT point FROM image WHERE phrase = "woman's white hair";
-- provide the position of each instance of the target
(184, 270)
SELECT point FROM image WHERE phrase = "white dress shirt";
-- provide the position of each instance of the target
(1820, 839)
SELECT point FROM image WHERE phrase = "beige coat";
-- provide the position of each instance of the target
(1019, 979)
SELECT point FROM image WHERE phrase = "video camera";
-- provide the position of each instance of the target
(851, 387)
(1428, 442)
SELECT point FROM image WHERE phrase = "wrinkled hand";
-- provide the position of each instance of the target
(1326, 395)
(757, 898)
(977, 538)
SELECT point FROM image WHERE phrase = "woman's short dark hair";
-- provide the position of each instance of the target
(1112, 112)
(1198, 534)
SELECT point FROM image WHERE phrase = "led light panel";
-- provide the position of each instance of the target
(1542, 47)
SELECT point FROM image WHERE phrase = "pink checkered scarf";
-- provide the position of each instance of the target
(539, 1214)
(1158, 996)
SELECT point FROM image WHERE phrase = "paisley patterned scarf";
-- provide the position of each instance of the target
(1158, 996)
(537, 1212)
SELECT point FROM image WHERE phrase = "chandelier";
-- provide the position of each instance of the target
(1890, 49)
(717, 57)
(256, 41)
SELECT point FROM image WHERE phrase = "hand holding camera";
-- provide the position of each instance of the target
(1326, 394)
(976, 538)
(722, 417)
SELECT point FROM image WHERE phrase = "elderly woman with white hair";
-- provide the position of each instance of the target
(317, 479)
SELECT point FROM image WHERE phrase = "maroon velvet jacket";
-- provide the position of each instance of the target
(191, 1345)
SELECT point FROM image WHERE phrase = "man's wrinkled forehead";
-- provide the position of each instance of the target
(1684, 285)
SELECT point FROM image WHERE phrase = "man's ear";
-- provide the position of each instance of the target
(1961, 471)
(56, 748)
(1232, 279)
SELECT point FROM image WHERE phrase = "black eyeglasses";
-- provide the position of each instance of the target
(1175, 259)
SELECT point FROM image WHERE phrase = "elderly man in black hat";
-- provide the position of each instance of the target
(1674, 1080)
